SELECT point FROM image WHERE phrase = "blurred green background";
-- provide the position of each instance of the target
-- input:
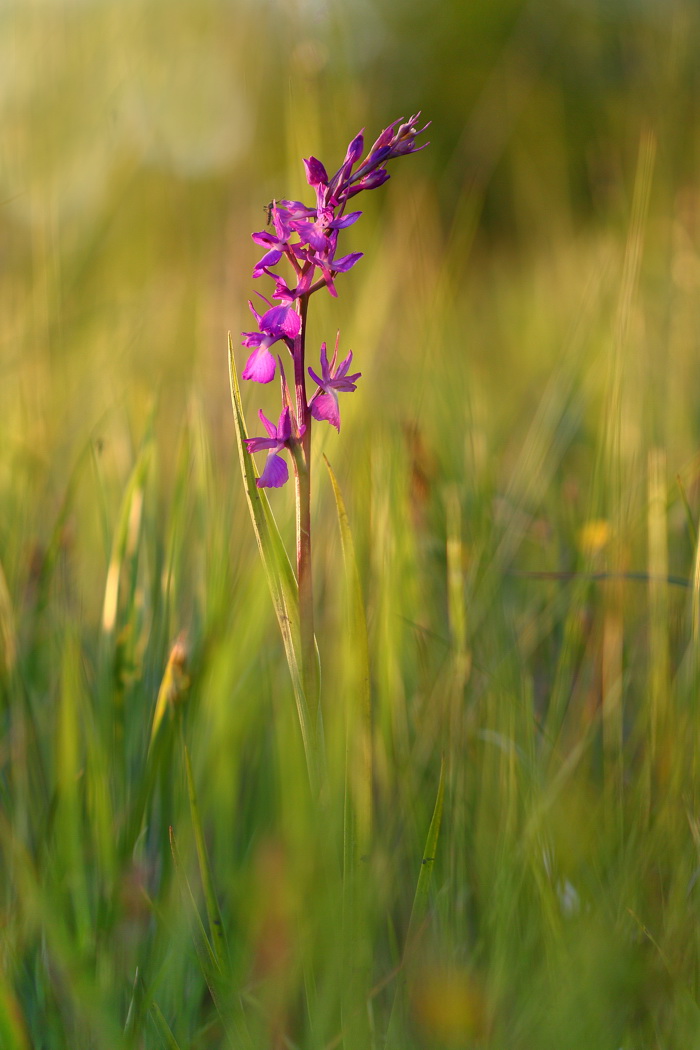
(142, 140)
(526, 321)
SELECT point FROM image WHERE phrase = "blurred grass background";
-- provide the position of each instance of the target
(526, 320)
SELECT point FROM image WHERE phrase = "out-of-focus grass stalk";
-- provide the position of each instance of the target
(13, 1035)
(394, 1035)
(8, 632)
(617, 460)
(357, 821)
(658, 595)
(164, 1028)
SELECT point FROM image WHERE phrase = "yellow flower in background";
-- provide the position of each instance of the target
(594, 535)
(450, 1007)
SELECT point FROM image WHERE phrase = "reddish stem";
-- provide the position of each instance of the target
(302, 473)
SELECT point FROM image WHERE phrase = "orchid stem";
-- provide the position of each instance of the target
(302, 472)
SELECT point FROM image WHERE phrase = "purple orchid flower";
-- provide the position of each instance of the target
(370, 181)
(391, 143)
(353, 154)
(329, 266)
(285, 216)
(316, 233)
(276, 472)
(279, 322)
(324, 403)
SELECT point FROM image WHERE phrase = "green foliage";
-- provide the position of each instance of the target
(513, 590)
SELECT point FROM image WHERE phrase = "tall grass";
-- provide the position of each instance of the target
(519, 469)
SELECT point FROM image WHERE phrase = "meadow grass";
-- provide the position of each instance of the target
(520, 472)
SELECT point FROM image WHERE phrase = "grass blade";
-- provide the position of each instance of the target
(8, 631)
(359, 714)
(418, 911)
(280, 578)
(208, 961)
(227, 1005)
(12, 1032)
(125, 542)
(216, 927)
(358, 793)
(420, 901)
(164, 1028)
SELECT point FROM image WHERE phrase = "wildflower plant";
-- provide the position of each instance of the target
(304, 241)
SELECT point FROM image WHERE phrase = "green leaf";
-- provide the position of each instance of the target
(163, 1027)
(280, 577)
(359, 713)
(418, 912)
(12, 1032)
(208, 961)
(173, 690)
(216, 927)
(227, 1003)
(8, 631)
(420, 901)
(358, 794)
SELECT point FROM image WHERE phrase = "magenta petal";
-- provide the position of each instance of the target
(260, 444)
(284, 426)
(264, 238)
(315, 377)
(283, 320)
(345, 220)
(355, 149)
(269, 426)
(271, 258)
(251, 339)
(325, 407)
(282, 291)
(315, 237)
(260, 366)
(275, 474)
(315, 172)
(347, 262)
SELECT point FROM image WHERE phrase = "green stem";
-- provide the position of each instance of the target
(302, 472)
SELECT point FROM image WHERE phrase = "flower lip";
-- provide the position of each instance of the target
(280, 437)
(324, 403)
(279, 322)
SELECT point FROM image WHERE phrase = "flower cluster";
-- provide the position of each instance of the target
(306, 237)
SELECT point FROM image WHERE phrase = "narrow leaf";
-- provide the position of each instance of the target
(690, 522)
(359, 725)
(124, 542)
(13, 1035)
(205, 953)
(164, 1028)
(420, 901)
(358, 794)
(227, 1005)
(280, 576)
(418, 912)
(173, 686)
(173, 690)
(8, 632)
(216, 928)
